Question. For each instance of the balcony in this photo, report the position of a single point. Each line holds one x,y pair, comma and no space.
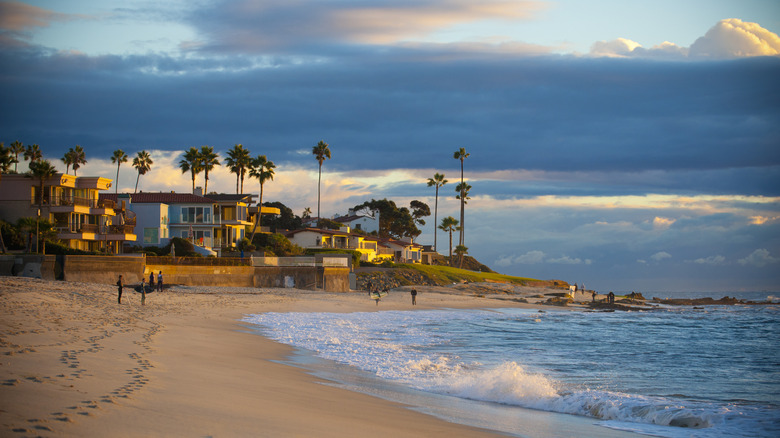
95,232
68,204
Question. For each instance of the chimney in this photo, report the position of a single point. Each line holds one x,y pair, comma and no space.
199,191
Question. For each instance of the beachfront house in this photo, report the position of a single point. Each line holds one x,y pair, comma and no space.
405,252
82,218
213,223
370,248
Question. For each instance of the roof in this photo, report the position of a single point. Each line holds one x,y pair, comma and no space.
230,197
158,198
320,231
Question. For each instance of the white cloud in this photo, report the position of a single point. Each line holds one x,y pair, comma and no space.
730,38
660,256
536,257
759,258
734,38
662,223
566,260
711,260
620,47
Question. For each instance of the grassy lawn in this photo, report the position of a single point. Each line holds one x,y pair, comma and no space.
446,274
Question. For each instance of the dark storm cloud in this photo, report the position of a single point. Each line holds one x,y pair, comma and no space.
382,112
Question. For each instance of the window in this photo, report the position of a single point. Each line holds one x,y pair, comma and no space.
151,235
196,215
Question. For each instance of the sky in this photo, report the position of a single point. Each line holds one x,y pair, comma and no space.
623,145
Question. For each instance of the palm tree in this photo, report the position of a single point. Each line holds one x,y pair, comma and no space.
461,250
41,170
239,160
6,158
191,163
208,159
306,213
67,159
17,148
321,153
463,189
438,181
461,155
33,153
449,224
263,170
142,163
118,158
79,158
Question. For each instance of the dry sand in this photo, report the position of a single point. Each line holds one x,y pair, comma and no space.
76,363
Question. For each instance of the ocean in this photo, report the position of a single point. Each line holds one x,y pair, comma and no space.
672,372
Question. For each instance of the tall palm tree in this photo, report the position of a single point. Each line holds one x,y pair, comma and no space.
79,158
191,163
67,159
17,148
263,170
239,160
461,155
143,164
438,181
449,224
462,191
321,152
41,170
208,160
33,153
118,158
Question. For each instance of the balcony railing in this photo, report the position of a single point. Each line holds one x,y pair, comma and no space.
95,229
69,201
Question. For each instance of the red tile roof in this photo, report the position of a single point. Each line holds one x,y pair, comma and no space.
158,198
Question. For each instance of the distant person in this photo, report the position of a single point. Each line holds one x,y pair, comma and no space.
119,285
611,298
159,282
414,297
369,286
594,296
151,281
143,291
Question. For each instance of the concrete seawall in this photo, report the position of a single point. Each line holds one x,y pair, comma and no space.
106,270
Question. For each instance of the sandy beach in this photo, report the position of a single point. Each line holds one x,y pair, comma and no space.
77,363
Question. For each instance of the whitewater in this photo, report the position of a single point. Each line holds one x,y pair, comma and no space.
673,372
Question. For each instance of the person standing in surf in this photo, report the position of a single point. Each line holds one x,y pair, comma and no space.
414,297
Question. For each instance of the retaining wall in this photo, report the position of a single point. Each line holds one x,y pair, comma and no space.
106,270
229,276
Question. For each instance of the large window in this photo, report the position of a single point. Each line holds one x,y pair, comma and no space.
151,235
196,215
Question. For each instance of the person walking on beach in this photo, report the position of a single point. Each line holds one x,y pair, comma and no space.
119,289
594,296
159,282
143,291
151,281
414,297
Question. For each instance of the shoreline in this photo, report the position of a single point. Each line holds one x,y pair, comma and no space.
76,363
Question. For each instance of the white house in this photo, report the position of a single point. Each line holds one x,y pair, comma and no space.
364,220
